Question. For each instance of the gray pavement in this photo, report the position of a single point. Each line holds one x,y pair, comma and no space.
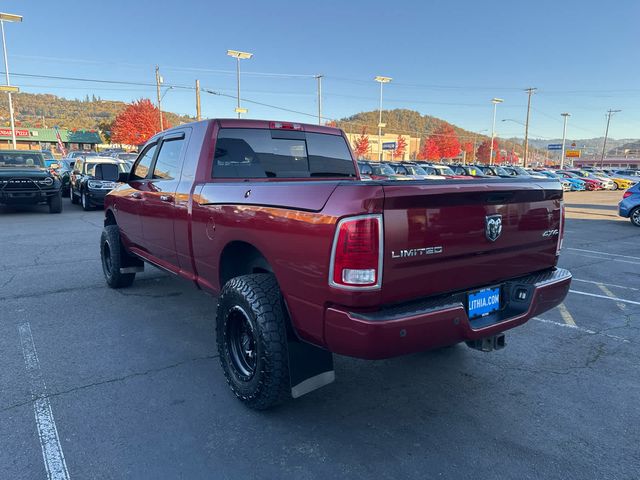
136,391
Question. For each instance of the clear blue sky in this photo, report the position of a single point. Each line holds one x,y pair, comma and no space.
447,58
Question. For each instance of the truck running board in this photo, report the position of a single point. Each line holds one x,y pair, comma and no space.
488,344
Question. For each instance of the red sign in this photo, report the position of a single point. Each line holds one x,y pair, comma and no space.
6,132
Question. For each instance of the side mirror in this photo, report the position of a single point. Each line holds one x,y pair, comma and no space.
123,177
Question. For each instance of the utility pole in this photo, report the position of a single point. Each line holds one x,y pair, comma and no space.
530,91
319,78
606,134
198,116
564,138
158,83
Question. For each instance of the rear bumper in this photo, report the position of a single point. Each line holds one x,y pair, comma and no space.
438,322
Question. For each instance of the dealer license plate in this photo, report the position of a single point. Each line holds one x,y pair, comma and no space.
483,302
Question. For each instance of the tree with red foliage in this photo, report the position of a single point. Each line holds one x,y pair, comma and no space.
137,123
468,151
513,157
362,144
483,152
401,146
447,141
497,157
429,150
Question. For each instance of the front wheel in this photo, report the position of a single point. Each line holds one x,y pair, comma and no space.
635,216
112,254
73,198
55,203
615,186
86,204
252,340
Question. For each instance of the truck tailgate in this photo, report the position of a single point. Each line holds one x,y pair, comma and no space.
437,237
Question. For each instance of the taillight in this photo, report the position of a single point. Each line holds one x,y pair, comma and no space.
561,230
356,258
627,194
285,126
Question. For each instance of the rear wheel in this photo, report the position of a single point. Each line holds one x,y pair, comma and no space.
113,254
615,186
252,340
635,216
55,203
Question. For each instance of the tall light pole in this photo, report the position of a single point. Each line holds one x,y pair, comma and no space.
564,138
530,91
495,102
606,134
319,78
382,81
239,56
8,17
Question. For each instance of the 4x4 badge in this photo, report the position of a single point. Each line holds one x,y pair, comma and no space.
493,227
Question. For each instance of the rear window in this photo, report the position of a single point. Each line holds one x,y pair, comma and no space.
262,153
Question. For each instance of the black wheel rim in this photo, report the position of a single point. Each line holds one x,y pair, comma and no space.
106,258
241,343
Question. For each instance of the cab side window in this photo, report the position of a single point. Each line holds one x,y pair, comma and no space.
168,164
141,168
77,167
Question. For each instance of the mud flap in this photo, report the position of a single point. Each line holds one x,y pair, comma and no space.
310,367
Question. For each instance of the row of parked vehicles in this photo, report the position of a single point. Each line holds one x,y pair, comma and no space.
571,179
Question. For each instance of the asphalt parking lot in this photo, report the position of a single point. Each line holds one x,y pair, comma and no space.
132,380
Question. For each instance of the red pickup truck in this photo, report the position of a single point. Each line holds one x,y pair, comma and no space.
307,260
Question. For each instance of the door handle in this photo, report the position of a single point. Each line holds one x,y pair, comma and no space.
166,198
137,195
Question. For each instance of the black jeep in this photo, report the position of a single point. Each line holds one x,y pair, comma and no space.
25,180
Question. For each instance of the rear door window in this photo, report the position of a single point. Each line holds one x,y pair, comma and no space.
262,153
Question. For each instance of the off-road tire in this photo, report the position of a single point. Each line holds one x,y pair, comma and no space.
73,198
259,297
55,203
112,254
634,216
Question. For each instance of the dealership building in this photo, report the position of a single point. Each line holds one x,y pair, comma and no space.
45,139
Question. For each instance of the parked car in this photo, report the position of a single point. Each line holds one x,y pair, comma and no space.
518,171
469,171
382,171
629,206
25,180
306,260
494,171
631,175
444,170
607,183
591,184
574,184
414,171
63,170
88,184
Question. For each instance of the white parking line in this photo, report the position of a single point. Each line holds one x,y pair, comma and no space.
608,259
49,441
606,284
581,329
605,297
603,253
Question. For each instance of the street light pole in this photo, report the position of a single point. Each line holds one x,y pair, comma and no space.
606,134
319,78
239,56
381,80
495,102
7,17
564,138
530,91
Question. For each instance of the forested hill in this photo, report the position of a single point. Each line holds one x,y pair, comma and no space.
88,113
402,121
